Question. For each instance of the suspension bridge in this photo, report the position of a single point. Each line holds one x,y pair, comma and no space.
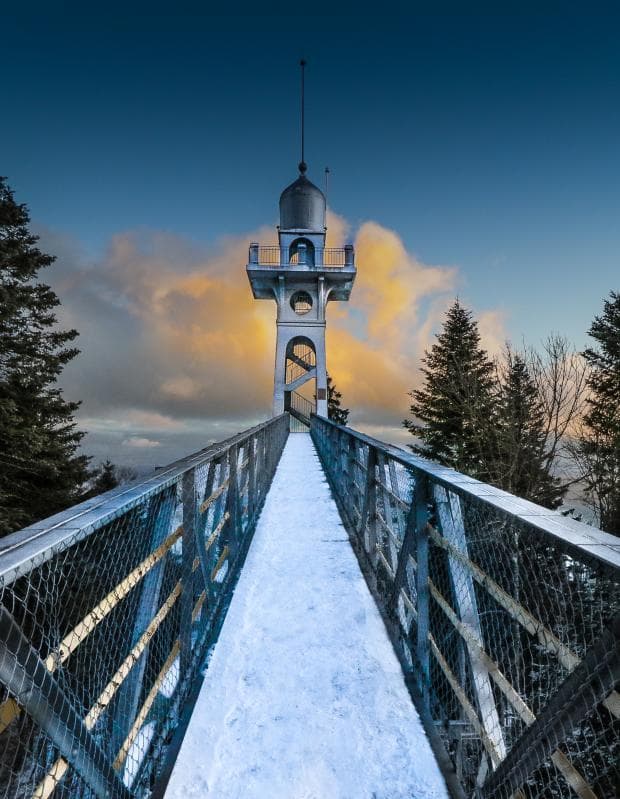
397,630
304,612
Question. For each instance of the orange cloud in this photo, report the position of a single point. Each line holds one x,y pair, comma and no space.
169,333
375,346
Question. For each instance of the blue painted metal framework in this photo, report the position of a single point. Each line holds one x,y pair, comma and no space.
505,616
107,613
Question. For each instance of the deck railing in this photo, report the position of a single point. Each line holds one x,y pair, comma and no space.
107,612
336,257
506,617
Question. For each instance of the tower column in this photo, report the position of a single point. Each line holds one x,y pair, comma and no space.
321,375
279,381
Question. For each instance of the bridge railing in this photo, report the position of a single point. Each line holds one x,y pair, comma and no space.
107,612
505,615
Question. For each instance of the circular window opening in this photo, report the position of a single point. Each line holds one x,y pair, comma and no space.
301,302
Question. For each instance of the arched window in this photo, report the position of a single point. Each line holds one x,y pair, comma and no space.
294,251
300,357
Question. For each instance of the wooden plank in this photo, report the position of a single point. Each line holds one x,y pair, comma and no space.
469,635
144,710
210,500
420,521
48,784
407,600
562,763
572,776
535,627
219,563
9,710
386,565
46,787
108,692
198,606
549,641
72,640
217,531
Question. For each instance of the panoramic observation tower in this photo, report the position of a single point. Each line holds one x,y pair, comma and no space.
302,276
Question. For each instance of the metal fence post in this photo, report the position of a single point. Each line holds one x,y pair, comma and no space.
368,519
407,549
232,502
420,500
352,492
260,468
202,520
252,498
129,692
189,555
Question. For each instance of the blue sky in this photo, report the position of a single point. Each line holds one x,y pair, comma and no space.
487,138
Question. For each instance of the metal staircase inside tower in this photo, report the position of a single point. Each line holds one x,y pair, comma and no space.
300,369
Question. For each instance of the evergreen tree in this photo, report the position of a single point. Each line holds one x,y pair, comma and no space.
599,445
40,470
105,479
518,458
334,410
454,410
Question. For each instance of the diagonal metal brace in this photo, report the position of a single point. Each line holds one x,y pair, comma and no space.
592,680
24,674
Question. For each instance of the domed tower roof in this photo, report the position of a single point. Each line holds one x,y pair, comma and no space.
302,205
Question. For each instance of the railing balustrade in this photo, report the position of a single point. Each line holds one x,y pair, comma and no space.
107,612
301,408
505,615
330,257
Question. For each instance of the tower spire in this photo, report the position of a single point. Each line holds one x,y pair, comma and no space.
302,164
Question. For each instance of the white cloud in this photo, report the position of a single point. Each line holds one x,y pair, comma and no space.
140,443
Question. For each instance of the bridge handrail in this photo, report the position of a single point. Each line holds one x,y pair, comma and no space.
506,617
107,611
591,541
47,537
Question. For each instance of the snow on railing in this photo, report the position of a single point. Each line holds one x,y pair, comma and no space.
506,617
107,611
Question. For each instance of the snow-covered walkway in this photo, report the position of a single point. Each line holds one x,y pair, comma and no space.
304,697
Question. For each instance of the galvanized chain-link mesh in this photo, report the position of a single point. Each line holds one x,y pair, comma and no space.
107,612
505,614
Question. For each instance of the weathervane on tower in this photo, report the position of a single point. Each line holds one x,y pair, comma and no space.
302,276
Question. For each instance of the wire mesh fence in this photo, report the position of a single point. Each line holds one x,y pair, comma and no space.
107,611
506,617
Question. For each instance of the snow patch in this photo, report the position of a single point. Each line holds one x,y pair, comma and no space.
137,751
304,697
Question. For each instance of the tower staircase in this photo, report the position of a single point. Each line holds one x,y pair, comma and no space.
299,407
